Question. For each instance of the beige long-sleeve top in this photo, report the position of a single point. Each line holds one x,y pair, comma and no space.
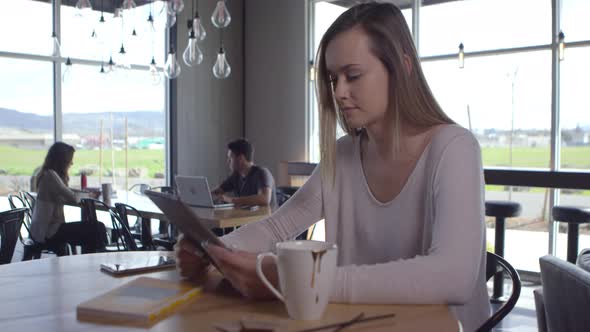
48,214
426,246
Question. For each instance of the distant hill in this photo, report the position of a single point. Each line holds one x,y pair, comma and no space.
140,123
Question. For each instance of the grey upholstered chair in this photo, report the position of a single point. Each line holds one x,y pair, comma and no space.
562,303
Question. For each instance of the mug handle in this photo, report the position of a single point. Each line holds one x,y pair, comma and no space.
260,274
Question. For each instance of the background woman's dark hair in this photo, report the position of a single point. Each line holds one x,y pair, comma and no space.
58,159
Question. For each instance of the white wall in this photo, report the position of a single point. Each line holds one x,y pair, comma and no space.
276,68
210,111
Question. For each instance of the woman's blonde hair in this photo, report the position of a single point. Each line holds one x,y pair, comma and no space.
391,42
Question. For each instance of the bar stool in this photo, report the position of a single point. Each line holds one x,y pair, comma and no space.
573,216
500,210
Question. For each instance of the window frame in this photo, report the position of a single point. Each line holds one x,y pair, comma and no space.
169,85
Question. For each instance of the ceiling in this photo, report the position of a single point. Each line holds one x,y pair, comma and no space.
402,4
106,5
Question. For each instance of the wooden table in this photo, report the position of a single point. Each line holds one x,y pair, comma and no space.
213,218
42,295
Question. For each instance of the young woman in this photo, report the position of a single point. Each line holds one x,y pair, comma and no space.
48,223
401,194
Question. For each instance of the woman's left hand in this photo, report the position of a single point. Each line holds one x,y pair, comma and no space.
239,267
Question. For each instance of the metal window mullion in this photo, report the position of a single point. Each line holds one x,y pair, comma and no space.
57,102
555,121
416,4
311,117
309,121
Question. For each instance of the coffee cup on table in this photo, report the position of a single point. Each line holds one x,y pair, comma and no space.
107,190
306,274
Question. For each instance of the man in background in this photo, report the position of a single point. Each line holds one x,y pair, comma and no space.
248,184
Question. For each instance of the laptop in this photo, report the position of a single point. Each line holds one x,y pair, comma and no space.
195,191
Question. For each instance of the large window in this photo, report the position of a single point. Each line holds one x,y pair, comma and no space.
504,95
85,96
483,25
26,128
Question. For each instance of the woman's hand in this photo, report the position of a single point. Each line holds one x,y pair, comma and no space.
239,267
189,260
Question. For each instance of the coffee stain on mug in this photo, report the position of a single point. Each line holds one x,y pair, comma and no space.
317,259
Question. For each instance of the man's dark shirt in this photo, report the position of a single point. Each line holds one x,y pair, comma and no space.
256,179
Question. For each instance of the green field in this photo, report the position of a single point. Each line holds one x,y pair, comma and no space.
572,157
16,161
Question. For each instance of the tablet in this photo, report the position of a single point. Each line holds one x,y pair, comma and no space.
181,215
153,263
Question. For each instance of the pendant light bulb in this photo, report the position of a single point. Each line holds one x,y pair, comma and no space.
221,69
561,45
176,6
55,46
65,77
198,28
172,67
192,55
461,56
221,17
110,65
154,73
123,58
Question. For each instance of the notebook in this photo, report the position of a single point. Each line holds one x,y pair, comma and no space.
195,191
143,301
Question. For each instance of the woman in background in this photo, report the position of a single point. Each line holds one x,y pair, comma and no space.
48,222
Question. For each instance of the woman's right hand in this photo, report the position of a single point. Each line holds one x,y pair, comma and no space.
190,262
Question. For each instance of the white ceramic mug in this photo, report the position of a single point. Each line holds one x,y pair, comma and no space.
306,274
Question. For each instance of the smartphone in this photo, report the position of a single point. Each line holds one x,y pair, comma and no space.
153,263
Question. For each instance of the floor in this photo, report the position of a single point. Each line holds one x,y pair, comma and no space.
523,317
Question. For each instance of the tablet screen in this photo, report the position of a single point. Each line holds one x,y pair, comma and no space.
181,215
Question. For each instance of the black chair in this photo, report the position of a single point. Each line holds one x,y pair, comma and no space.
29,199
573,216
166,241
31,248
10,223
138,188
283,194
120,234
141,230
16,202
500,210
164,189
497,266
